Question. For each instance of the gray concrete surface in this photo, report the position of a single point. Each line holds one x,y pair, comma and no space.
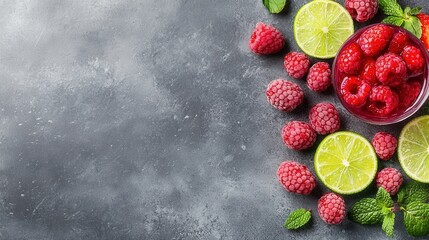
147,120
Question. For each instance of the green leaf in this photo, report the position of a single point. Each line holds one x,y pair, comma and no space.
274,6
413,25
407,10
297,219
415,11
391,8
366,211
383,198
388,224
413,192
393,20
416,219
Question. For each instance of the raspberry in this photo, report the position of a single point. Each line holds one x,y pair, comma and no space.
319,77
355,91
384,145
375,39
296,64
266,39
399,41
332,208
424,19
284,95
298,135
324,118
413,57
350,59
368,72
408,93
391,69
361,10
382,100
296,177
390,179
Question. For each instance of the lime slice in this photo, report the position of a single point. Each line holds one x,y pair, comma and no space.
321,27
345,162
413,149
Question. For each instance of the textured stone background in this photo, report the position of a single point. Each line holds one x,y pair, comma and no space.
148,120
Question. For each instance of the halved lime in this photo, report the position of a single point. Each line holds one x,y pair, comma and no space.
345,162
413,149
321,27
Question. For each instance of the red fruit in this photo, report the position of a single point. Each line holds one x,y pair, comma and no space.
298,135
319,77
332,208
408,93
399,41
350,59
266,39
296,177
296,64
390,179
324,118
391,69
424,19
375,39
284,95
384,145
413,57
368,72
382,100
361,10
355,91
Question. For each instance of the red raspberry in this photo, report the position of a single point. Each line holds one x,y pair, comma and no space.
296,64
384,145
319,77
399,41
382,100
391,69
361,10
413,57
284,95
390,179
355,91
296,177
368,72
266,39
408,93
298,135
324,118
350,59
375,39
332,208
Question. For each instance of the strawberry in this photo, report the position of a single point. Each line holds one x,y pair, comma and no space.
424,19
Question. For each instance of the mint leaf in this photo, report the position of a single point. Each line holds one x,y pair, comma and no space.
383,198
274,6
297,219
413,192
366,211
391,7
415,11
413,25
393,20
416,219
388,224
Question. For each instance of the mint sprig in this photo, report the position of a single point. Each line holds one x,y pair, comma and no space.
405,18
274,6
388,224
416,219
297,219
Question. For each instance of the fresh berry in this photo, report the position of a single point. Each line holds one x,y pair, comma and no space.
324,118
375,39
382,100
354,91
296,177
284,95
296,64
266,39
361,10
385,145
408,93
350,59
332,208
424,19
390,179
319,77
391,69
413,57
368,72
298,135
399,41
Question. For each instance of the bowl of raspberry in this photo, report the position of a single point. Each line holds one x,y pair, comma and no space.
380,74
